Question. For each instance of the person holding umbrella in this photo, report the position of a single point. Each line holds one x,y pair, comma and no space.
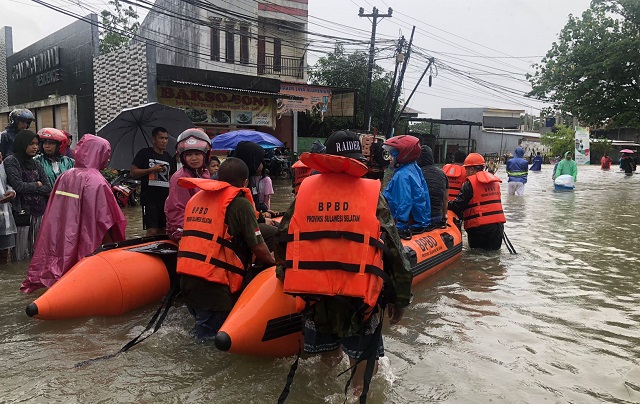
154,166
626,162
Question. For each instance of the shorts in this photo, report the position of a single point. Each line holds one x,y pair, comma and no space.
153,217
315,342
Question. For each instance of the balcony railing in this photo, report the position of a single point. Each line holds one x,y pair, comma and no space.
283,66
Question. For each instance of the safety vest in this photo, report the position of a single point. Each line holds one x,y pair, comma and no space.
485,207
300,172
333,244
456,175
206,250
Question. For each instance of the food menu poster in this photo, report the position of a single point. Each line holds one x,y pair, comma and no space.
220,108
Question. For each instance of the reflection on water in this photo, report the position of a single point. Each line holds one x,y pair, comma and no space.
559,322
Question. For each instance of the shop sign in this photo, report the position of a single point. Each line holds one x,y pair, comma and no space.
220,108
316,98
37,64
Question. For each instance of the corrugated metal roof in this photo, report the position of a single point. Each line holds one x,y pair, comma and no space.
240,90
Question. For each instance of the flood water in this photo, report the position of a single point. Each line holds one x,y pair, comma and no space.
557,323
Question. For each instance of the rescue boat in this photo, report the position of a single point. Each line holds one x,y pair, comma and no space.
267,322
115,279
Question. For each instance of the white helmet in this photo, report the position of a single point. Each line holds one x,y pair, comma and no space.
194,139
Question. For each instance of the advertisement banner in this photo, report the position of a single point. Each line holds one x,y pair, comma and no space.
582,145
216,107
315,100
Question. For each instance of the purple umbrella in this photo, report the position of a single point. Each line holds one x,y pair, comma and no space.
229,140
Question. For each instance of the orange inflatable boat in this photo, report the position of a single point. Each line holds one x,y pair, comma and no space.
267,322
117,278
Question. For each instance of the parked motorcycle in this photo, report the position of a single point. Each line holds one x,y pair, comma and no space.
126,189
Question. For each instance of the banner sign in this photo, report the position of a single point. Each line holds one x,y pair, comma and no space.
342,105
582,146
220,108
315,99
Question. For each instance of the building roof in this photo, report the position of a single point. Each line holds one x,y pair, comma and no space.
512,133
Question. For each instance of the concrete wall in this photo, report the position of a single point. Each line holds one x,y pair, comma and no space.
124,78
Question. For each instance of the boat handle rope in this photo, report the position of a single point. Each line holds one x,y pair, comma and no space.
167,302
507,242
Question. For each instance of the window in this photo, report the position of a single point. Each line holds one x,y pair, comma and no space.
230,54
244,44
215,43
277,54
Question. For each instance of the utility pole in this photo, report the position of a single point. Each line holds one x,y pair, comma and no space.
367,102
391,92
394,104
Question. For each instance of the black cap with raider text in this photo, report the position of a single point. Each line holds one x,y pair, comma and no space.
344,143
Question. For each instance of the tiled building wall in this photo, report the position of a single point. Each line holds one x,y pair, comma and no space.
5,35
121,80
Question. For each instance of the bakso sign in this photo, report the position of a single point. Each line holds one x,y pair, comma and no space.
44,65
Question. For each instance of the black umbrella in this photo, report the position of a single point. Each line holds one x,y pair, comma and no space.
130,131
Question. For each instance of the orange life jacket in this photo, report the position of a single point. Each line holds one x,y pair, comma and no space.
206,249
300,172
333,245
485,207
456,175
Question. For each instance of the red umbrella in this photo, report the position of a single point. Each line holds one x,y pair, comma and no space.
627,151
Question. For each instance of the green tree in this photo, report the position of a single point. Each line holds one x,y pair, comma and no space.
592,71
118,27
349,70
560,139
600,146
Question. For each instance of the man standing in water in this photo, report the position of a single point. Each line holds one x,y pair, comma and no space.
340,222
154,166
517,170
480,206
567,166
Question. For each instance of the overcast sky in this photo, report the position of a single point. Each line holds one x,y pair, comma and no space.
495,41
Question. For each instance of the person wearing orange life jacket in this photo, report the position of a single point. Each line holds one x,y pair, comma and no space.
479,204
330,250
220,235
301,171
455,173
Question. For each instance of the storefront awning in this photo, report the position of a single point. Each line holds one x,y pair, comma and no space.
239,90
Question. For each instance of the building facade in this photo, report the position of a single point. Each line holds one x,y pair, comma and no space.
53,78
500,133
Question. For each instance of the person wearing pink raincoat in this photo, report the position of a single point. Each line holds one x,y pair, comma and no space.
82,213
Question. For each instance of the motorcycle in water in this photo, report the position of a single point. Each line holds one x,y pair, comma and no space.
125,189
280,167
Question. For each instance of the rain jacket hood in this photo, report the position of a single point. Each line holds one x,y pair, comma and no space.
92,152
80,212
518,152
426,156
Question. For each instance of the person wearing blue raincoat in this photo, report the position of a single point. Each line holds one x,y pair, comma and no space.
407,193
537,163
517,170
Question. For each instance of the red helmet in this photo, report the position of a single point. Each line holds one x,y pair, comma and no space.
57,136
408,148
